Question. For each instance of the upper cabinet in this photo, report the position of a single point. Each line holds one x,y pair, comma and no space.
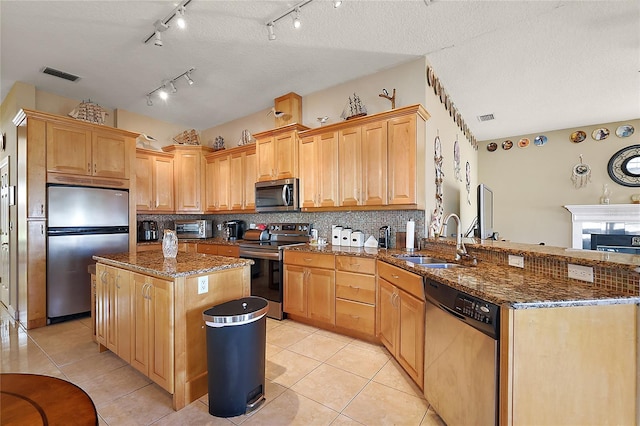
77,148
277,153
230,180
290,108
380,162
154,182
189,177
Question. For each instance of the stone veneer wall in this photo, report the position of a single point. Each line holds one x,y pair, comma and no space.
366,221
619,279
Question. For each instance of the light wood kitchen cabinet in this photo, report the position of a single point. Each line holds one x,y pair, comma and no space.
561,365
402,155
277,153
79,149
154,182
309,286
230,180
291,105
319,175
400,318
153,347
189,177
356,294
219,249
113,310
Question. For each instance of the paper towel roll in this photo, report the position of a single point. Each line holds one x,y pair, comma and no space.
411,229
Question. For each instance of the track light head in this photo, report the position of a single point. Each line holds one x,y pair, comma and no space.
149,101
182,24
174,89
272,35
187,76
158,39
296,19
163,93
337,3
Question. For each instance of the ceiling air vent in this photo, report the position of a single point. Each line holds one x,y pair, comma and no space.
486,117
60,74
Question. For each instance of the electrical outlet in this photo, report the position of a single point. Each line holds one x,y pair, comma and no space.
579,272
203,285
516,261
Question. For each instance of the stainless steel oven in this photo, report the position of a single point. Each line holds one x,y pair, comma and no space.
265,249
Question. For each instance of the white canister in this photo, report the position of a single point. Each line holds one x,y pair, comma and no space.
346,237
336,235
357,239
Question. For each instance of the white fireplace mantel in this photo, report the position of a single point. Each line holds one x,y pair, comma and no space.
627,213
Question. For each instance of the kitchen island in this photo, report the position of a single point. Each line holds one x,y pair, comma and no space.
149,313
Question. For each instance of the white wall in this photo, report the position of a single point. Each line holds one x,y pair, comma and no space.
162,131
532,184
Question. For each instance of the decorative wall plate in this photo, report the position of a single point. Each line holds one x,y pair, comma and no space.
429,76
492,146
624,131
600,134
524,142
541,140
624,166
578,136
507,145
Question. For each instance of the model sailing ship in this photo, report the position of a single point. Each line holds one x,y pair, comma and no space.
89,111
353,109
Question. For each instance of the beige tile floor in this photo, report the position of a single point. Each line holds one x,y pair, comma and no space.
313,377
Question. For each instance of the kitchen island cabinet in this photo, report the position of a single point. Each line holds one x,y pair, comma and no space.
167,334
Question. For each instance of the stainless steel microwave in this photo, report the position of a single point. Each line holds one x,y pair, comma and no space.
277,196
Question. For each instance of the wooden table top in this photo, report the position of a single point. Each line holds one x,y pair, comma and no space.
43,400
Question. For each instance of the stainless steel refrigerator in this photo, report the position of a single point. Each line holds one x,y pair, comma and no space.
82,222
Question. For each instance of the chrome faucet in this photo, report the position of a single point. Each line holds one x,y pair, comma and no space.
461,250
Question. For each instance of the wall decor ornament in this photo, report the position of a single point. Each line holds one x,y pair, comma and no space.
90,112
438,211
468,184
354,108
624,166
507,145
524,142
456,160
624,131
581,174
600,134
541,140
218,144
578,136
392,98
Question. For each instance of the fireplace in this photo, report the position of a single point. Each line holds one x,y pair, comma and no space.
606,227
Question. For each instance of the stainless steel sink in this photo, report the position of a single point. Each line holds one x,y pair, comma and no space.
418,259
441,265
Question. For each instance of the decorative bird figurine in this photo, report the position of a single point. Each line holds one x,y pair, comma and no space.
385,94
279,114
323,120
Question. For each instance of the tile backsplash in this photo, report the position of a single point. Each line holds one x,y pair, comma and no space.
366,221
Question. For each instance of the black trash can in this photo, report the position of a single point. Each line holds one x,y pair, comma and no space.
236,340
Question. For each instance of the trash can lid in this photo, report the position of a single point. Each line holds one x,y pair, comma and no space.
236,312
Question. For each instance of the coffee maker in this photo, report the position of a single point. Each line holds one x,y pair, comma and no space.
383,237
234,229
148,230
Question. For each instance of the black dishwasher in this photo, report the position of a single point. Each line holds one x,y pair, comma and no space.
461,362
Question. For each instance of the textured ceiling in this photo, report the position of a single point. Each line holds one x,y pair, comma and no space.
536,65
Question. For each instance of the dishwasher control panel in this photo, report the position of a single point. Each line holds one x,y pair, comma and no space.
473,308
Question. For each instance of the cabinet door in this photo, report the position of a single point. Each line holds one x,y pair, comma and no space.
211,193
374,164
102,304
69,149
411,339
36,297
266,158
249,179
223,189
144,183
350,166
309,172
123,313
236,181
207,248
112,311
321,295
294,291
188,183
387,315
286,155
140,325
163,184
110,155
161,332
402,160
33,138
327,169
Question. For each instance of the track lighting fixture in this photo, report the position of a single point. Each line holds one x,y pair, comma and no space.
296,19
272,35
162,25
169,87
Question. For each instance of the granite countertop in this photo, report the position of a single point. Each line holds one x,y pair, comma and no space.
214,240
502,285
185,264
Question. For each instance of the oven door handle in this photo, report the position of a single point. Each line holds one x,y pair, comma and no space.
258,254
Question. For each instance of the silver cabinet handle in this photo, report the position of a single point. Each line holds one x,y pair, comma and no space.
88,167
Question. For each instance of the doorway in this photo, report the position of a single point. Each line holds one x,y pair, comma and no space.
5,268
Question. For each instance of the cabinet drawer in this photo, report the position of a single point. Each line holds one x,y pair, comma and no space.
229,251
358,287
207,248
405,280
355,316
357,264
301,258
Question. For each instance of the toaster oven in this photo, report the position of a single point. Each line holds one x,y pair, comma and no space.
194,228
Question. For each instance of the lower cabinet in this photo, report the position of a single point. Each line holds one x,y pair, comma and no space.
400,318
113,310
152,329
219,249
309,286
356,294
